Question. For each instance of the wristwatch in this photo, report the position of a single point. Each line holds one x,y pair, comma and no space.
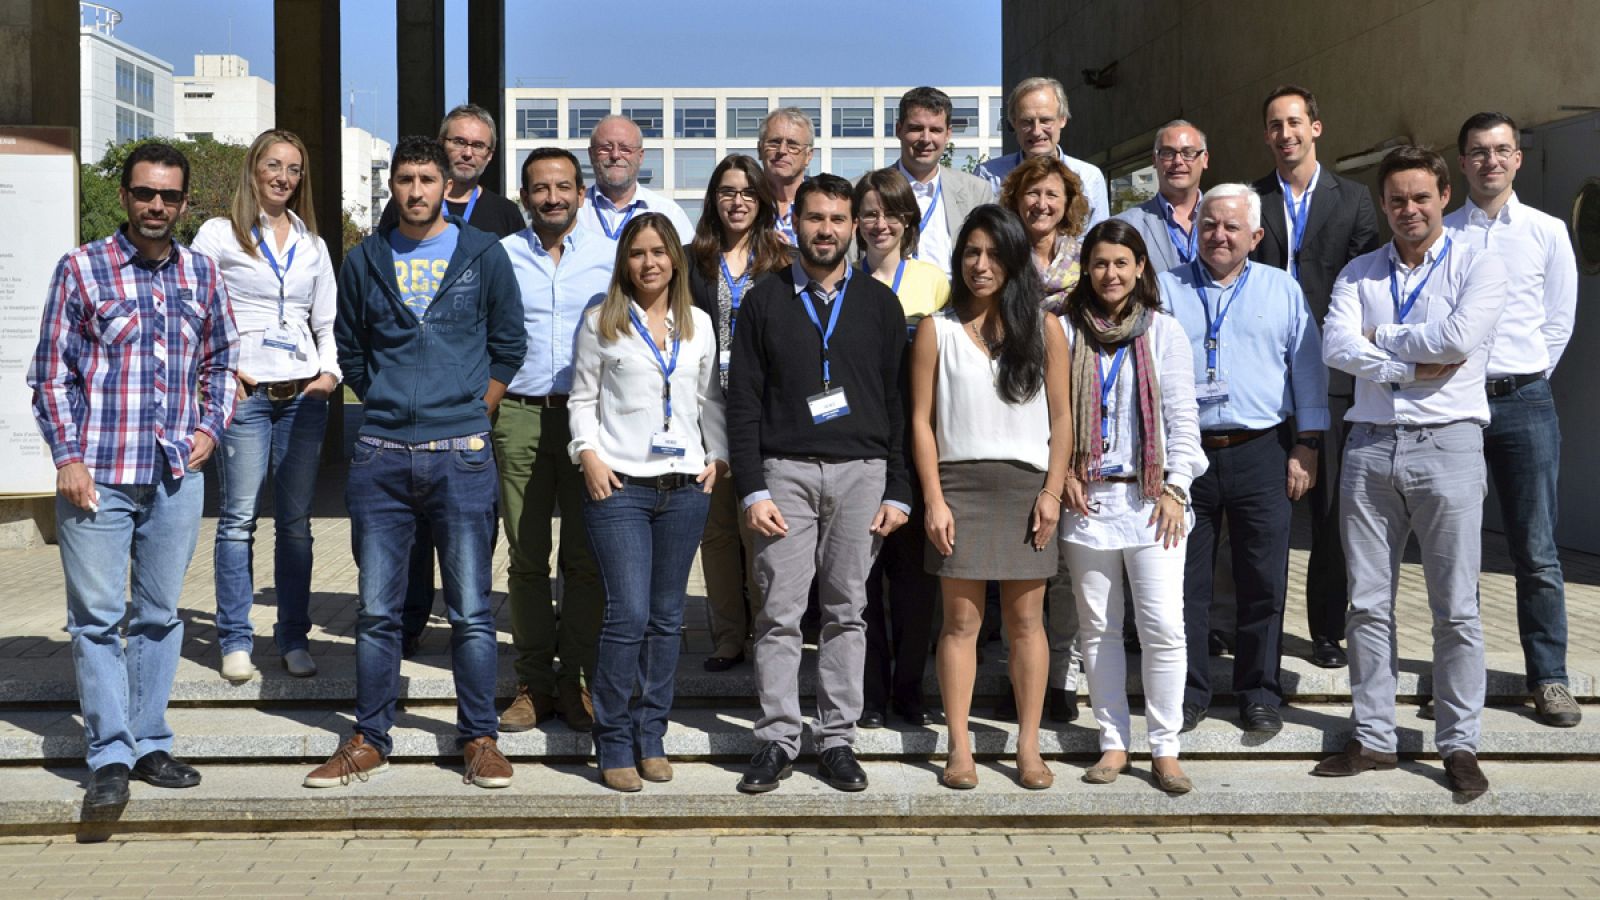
1314,444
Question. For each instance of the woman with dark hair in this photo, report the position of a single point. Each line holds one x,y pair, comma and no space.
991,427
1136,449
1049,199
647,431
736,246
281,285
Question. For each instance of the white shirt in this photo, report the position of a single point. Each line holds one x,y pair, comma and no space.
1451,322
597,206
1288,220
972,421
310,299
933,243
616,406
1542,284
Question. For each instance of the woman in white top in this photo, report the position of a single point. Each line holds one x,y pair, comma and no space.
991,427
1137,450
647,431
281,285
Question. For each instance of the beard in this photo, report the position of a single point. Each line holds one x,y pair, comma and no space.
421,214
154,232
821,258
617,182
556,221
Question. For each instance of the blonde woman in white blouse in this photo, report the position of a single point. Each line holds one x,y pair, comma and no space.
281,285
647,430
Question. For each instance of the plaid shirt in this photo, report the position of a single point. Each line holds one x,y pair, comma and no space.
119,384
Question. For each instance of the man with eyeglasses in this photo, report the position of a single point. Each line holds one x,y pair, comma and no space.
786,137
134,380
616,152
1314,224
1167,221
944,195
1522,444
1037,110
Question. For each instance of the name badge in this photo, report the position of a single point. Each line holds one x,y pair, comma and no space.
665,443
279,338
829,404
724,358
1209,393
1111,470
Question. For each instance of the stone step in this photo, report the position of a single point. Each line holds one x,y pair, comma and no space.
424,797
49,681
429,733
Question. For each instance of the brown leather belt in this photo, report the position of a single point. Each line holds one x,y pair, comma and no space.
278,391
547,401
1218,440
1121,479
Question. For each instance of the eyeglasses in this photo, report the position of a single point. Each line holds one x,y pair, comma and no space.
170,196
784,144
728,195
1189,154
1481,155
275,167
478,147
615,149
872,218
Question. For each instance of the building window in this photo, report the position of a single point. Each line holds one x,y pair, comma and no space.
851,163
891,116
651,172
584,115
745,115
144,127
537,119
693,169
695,117
199,136
964,117
811,106
997,116
125,80
198,95
646,114
814,168
124,125
145,89
852,117
692,208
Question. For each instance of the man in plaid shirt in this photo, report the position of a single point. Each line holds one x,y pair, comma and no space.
133,381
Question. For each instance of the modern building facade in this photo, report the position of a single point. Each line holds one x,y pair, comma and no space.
222,101
687,131
126,93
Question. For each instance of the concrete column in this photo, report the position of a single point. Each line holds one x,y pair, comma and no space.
486,76
419,68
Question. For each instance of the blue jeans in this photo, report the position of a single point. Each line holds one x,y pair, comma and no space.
285,438
1522,447
123,692
388,492
644,542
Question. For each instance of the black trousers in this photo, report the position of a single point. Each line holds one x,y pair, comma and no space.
1327,587
899,627
1245,485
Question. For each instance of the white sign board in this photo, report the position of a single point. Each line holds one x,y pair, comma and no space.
38,225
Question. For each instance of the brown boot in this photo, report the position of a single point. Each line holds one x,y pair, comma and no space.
572,702
355,760
527,710
625,780
656,769
487,767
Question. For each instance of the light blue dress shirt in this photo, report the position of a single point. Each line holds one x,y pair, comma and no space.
554,297
1269,351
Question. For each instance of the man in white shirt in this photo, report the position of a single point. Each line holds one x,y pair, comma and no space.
1411,321
944,195
786,138
616,151
1522,444
1037,110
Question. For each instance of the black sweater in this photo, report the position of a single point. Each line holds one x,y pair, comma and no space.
777,364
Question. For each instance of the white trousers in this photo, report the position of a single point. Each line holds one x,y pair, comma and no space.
1157,580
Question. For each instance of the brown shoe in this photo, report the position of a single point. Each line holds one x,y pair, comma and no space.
487,767
1035,777
527,710
656,769
625,780
572,703
1466,778
960,779
1355,759
355,760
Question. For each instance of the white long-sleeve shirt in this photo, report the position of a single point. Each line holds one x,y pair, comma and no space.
1541,289
616,407
310,299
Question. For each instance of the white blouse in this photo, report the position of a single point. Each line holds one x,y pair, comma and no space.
310,295
971,420
616,409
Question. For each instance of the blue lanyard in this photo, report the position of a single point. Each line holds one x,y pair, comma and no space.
1183,243
612,233
282,273
898,271
1401,311
785,227
736,286
833,321
1108,382
472,202
667,368
938,191
1214,325
1299,213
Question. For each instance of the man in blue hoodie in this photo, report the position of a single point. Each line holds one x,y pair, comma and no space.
429,333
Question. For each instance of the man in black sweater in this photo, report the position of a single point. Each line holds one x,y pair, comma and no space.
814,428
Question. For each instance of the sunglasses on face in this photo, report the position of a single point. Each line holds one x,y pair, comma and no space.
170,196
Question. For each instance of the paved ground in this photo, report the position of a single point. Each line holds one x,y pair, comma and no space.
801,866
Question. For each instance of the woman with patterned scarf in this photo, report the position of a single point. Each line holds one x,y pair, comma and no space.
1136,449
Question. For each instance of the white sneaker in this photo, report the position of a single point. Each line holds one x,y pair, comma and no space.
299,663
236,667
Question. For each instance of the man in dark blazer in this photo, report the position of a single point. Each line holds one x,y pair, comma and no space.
1315,222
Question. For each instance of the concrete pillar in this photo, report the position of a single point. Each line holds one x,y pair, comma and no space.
486,76
419,66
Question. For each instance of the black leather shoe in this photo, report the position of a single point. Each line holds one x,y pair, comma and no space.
1193,714
1326,653
914,716
723,663
410,644
1425,711
158,768
1259,718
870,719
769,766
838,767
108,786
1217,644
1063,705
1461,770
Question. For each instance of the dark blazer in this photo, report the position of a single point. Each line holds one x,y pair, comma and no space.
1342,225
704,295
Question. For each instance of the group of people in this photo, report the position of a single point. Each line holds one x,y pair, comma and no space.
890,404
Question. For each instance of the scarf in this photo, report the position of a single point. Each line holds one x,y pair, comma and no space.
1061,275
1095,334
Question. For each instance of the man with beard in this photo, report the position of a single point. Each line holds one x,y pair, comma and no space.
814,426
560,270
616,150
133,382
429,335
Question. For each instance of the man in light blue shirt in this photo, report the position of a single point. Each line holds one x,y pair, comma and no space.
1038,112
1257,365
561,270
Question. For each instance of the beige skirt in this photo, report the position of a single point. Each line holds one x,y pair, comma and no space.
992,504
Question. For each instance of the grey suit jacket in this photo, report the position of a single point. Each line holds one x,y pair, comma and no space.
1152,226
962,193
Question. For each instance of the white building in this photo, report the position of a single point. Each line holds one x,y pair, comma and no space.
365,173
222,101
687,131
126,93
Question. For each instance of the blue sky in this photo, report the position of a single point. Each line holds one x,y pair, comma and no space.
698,43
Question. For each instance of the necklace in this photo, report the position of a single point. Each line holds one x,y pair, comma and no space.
978,336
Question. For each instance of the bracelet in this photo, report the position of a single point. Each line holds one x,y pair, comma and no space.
1051,494
1176,493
